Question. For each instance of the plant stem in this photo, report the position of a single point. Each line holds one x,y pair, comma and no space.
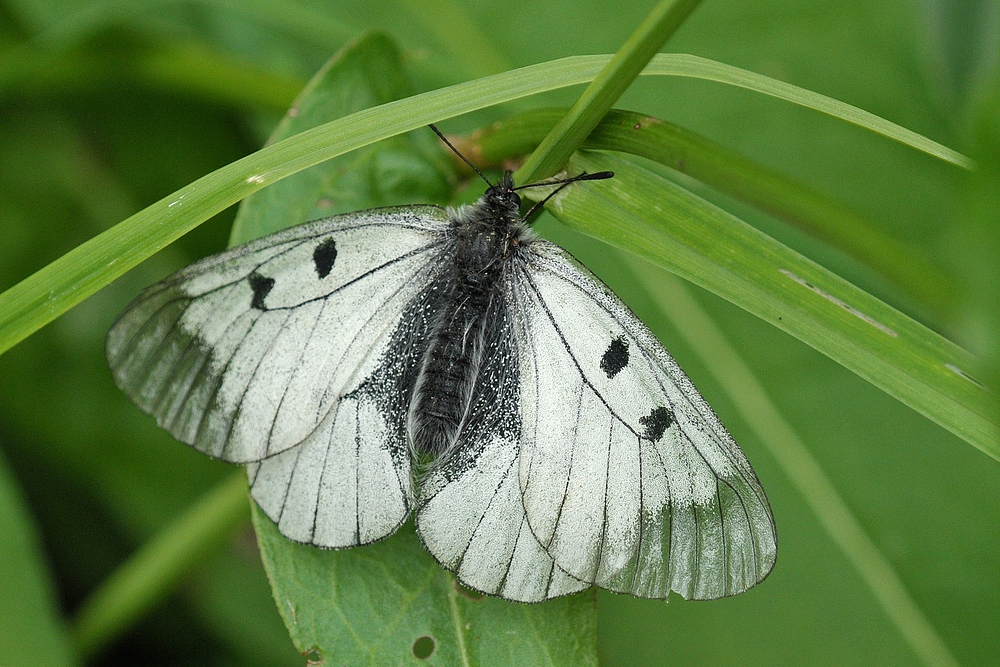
605,89
159,564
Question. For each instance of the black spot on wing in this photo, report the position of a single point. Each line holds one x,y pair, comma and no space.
324,256
261,286
616,357
656,423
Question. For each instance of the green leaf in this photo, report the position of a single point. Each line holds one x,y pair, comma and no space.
649,216
48,293
370,605
30,627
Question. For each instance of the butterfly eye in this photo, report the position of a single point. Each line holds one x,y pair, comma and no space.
515,198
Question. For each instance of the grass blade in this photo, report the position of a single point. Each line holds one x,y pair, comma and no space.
741,178
702,68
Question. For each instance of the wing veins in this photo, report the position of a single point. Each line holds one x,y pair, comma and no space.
357,473
288,485
569,351
130,343
753,529
163,345
555,270
376,339
604,524
635,572
569,473
204,266
174,371
722,531
510,560
198,374
496,489
218,377
298,365
669,513
239,406
356,279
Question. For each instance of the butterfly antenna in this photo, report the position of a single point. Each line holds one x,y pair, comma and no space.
599,176
455,151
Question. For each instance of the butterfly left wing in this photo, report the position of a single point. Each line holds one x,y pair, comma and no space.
289,353
469,512
628,478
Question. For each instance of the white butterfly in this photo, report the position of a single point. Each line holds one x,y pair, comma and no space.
452,364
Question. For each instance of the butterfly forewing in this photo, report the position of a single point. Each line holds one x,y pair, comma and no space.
214,350
629,480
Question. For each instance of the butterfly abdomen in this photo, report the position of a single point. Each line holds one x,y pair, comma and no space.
453,356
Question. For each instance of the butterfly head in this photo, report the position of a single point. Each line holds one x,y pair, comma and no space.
500,204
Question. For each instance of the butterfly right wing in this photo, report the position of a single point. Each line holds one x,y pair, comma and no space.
280,345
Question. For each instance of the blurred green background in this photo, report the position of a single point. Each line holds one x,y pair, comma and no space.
106,106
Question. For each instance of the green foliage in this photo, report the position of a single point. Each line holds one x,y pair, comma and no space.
108,107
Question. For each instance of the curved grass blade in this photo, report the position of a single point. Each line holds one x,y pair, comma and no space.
602,93
702,68
371,605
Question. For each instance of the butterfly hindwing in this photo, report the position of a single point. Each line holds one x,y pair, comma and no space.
628,478
244,354
470,515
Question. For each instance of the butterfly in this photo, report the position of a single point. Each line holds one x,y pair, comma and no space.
452,365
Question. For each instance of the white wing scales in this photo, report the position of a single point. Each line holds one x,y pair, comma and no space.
474,525
629,480
346,485
586,456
